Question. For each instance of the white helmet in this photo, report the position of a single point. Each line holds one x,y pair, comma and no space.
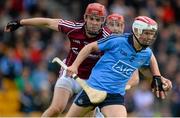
142,23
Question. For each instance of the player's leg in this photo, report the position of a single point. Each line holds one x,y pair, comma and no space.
59,102
65,87
81,106
78,111
114,111
113,106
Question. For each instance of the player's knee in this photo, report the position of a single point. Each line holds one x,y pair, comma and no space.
57,109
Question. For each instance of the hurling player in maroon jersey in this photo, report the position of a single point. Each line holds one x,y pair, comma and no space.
79,34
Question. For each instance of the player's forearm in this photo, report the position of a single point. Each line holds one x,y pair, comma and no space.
154,66
35,21
41,22
84,53
82,56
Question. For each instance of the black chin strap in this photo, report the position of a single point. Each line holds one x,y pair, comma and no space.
143,46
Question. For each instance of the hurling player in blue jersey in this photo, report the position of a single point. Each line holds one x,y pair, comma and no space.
116,23
123,54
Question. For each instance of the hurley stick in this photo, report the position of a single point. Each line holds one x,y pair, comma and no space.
95,96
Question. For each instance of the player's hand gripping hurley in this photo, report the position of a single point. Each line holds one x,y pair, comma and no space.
95,96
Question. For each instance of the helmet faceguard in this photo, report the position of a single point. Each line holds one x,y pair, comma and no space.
115,23
141,24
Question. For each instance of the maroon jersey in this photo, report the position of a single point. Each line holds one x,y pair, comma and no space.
75,31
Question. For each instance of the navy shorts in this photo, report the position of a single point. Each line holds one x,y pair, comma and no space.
112,99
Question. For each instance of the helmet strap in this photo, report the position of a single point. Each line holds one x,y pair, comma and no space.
143,46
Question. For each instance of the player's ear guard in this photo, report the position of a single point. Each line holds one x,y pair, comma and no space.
13,25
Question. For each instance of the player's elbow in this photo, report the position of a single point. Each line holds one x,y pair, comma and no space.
88,48
93,47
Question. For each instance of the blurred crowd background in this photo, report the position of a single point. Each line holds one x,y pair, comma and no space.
27,76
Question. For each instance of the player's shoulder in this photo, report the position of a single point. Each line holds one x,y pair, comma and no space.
148,49
121,37
113,38
106,31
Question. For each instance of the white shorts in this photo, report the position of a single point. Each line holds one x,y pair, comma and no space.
68,83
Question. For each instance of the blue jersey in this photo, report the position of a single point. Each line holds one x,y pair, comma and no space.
112,72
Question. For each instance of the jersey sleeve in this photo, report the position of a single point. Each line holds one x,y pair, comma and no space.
147,62
107,43
106,32
66,26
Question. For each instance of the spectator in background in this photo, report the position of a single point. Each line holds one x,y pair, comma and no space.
167,12
144,100
175,99
25,85
175,4
10,67
119,7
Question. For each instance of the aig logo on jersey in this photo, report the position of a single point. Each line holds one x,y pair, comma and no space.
123,68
